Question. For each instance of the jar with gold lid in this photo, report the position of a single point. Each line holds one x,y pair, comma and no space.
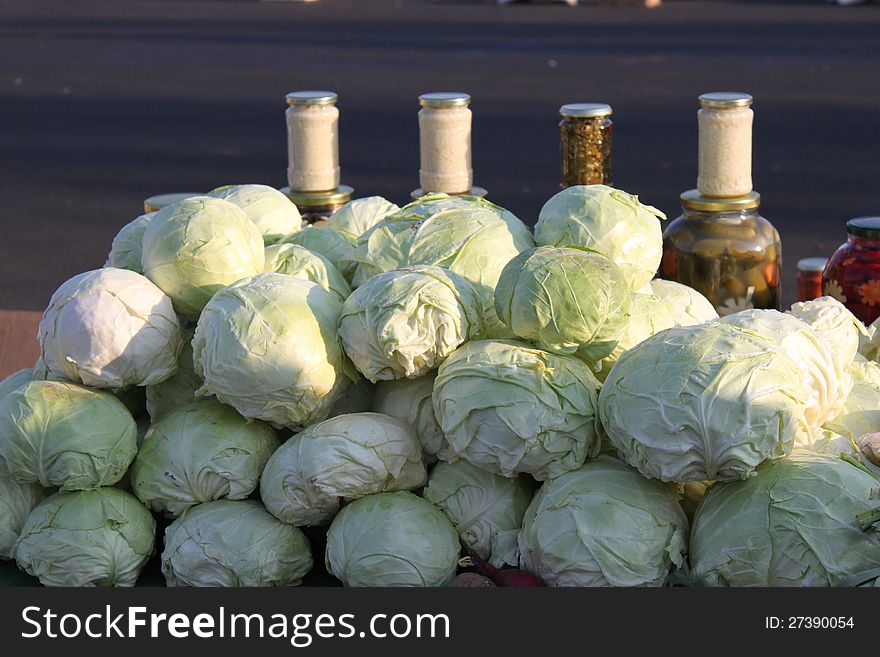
585,144
725,250
725,144
313,170
445,145
852,275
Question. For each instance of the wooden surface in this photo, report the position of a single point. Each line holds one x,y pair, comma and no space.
18,340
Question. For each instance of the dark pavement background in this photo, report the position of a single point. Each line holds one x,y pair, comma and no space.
106,102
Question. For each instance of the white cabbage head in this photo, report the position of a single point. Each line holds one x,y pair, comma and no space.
469,236
357,217
200,452
15,380
276,217
17,500
65,435
824,374
392,539
608,221
332,245
860,413
234,543
341,459
110,328
406,322
486,509
795,523
688,306
410,400
565,300
197,246
834,323
180,388
648,316
267,346
704,402
99,537
125,252
298,261
509,408
603,525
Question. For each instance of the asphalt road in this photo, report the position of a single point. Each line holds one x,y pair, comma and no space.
103,103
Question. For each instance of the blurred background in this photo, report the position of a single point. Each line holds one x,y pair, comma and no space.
103,103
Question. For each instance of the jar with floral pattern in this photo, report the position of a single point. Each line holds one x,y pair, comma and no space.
726,251
852,275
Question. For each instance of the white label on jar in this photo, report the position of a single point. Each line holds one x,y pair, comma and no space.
445,139
725,151
313,148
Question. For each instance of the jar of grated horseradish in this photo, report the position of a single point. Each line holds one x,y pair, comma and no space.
725,146
312,141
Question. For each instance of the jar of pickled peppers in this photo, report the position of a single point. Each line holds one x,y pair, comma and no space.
724,249
852,275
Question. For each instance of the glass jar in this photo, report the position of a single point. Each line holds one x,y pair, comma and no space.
725,250
312,141
852,275
156,203
809,278
585,144
445,143
316,208
725,146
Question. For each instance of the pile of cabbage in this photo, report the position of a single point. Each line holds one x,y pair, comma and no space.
427,391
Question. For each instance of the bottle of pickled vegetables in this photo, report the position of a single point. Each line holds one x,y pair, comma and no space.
724,249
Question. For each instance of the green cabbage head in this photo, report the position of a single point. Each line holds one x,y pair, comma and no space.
410,400
687,306
603,525
509,408
197,246
125,252
486,509
565,300
649,315
834,323
860,413
180,388
267,346
276,217
62,434
392,539
608,221
405,322
298,261
341,459
99,537
234,543
328,243
704,402
200,452
469,236
825,375
357,217
17,500
15,380
110,328
795,523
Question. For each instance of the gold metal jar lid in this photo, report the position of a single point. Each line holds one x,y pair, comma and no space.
338,196
444,99
726,99
159,201
311,98
585,109
693,200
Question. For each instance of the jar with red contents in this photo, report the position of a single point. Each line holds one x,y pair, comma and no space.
852,275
